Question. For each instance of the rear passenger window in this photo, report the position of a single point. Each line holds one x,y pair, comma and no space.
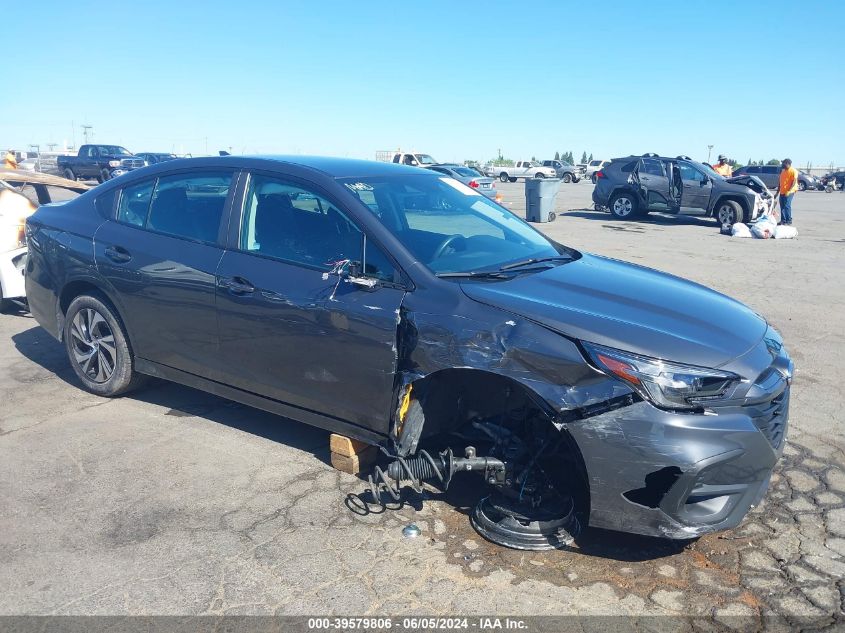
653,167
135,203
286,221
190,205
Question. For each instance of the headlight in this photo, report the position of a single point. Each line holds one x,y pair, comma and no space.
666,385
114,163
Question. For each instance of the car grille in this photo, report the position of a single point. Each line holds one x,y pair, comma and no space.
132,163
772,419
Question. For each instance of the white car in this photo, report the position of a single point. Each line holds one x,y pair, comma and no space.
593,166
21,192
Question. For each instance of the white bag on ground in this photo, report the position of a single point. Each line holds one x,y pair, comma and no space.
763,229
740,230
785,232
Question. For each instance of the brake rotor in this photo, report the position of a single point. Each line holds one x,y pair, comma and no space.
507,522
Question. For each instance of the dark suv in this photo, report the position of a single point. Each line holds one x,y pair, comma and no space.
635,185
770,175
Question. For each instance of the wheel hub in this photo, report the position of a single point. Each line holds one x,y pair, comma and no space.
504,521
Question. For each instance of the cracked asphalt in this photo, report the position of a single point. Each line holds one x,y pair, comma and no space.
175,502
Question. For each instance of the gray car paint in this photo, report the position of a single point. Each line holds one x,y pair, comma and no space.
525,329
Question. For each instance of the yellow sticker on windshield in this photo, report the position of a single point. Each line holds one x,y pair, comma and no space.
460,186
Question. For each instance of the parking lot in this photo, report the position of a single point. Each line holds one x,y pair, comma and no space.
172,501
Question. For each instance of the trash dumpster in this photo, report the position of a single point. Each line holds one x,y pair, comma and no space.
540,196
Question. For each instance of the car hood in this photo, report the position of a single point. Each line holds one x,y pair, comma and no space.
629,307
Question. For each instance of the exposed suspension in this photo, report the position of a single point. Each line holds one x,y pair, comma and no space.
437,470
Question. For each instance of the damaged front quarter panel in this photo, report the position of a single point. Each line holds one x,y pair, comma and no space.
648,471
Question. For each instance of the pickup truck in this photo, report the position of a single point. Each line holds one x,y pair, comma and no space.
414,159
102,162
522,169
564,171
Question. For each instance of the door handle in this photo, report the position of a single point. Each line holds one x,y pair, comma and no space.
236,285
118,254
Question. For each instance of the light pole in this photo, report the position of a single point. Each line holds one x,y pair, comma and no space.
709,149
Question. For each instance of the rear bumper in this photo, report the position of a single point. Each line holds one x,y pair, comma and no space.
679,476
12,265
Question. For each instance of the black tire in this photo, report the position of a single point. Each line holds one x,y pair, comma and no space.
539,175
729,212
104,175
503,177
802,186
98,347
593,178
567,177
511,179
552,216
624,205
828,189
68,173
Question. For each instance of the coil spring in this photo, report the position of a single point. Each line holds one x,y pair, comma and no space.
414,470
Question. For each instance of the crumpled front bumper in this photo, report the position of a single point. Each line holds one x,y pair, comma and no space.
679,476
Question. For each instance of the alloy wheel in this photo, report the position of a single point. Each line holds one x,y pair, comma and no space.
726,215
93,345
623,206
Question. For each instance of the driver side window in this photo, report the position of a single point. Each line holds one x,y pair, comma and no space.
688,172
287,221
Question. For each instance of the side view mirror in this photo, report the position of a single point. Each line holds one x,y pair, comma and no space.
352,273
414,163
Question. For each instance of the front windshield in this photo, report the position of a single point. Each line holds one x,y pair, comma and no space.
534,164
707,169
425,159
448,226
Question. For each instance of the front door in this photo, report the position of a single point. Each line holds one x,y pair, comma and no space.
160,254
290,327
695,198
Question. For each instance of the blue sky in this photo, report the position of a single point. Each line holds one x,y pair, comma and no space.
458,80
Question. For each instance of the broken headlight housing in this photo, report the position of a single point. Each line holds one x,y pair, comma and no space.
664,384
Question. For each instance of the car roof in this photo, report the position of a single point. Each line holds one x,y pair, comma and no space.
325,165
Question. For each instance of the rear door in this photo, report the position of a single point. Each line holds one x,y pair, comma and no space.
697,186
292,329
654,185
160,253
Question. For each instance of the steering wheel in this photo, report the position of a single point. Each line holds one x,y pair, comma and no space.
445,244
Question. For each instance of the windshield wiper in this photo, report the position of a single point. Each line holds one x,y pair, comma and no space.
478,274
535,260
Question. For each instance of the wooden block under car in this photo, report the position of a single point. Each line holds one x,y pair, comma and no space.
355,464
351,456
346,446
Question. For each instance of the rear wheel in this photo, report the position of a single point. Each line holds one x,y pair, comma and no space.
729,212
623,206
593,178
68,173
567,177
511,179
98,347
503,177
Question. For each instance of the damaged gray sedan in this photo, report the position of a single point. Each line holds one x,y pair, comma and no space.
404,309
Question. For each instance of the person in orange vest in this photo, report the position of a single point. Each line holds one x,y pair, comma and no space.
9,161
788,187
722,168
